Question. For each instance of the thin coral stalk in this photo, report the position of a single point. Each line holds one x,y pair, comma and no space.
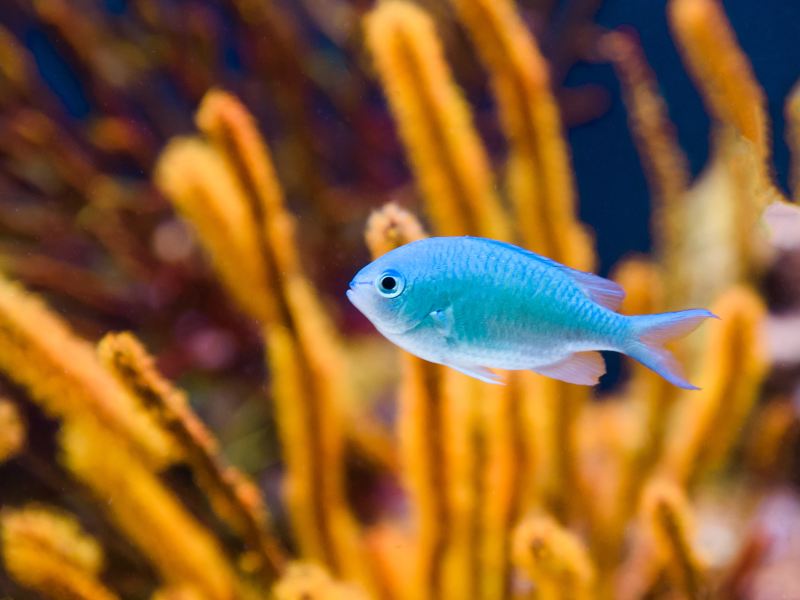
507,481
450,163
665,164
47,551
256,254
649,399
542,191
735,365
642,282
420,426
792,114
314,444
554,559
310,582
12,430
539,174
466,459
146,512
720,69
62,374
233,496
198,182
668,517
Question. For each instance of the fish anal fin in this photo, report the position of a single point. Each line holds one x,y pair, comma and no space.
478,372
603,291
582,368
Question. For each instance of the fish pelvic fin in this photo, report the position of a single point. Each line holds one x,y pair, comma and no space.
651,332
582,368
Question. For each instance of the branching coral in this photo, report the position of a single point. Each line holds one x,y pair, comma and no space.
229,180
450,162
526,490
554,559
61,372
47,551
12,430
182,550
667,514
234,497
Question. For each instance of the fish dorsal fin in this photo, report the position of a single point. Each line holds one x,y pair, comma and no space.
583,368
603,291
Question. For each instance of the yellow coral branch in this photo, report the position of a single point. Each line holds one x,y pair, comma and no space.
255,252
554,559
792,113
420,427
507,481
304,581
449,161
734,367
12,430
720,69
62,374
665,164
668,516
196,179
47,551
233,496
146,512
539,174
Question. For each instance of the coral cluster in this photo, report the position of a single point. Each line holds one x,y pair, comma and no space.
535,489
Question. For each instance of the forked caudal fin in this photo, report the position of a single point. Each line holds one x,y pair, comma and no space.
650,334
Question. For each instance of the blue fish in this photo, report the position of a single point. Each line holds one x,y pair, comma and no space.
477,304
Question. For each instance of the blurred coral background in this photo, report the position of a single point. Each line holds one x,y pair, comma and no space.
190,409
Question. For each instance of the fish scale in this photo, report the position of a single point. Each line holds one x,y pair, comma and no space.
476,304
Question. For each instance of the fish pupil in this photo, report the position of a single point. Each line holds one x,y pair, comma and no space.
388,283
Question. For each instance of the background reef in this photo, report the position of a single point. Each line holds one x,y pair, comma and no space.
190,409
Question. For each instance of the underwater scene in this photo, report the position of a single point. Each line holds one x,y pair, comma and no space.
399,300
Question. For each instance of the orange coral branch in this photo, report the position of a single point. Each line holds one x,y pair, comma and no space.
12,430
146,512
792,112
310,582
667,514
731,376
539,174
720,69
449,161
554,559
47,551
233,496
420,426
62,374
665,164
256,254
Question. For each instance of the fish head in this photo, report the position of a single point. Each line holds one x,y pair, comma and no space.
392,292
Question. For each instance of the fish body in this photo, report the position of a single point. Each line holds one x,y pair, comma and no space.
476,304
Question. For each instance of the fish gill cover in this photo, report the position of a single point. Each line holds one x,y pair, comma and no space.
190,410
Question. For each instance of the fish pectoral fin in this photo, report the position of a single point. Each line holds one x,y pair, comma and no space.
443,321
583,368
478,372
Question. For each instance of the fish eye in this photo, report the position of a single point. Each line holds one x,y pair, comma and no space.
390,284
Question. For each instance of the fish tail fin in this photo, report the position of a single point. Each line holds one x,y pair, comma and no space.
651,332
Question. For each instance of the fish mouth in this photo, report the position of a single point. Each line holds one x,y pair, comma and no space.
355,282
